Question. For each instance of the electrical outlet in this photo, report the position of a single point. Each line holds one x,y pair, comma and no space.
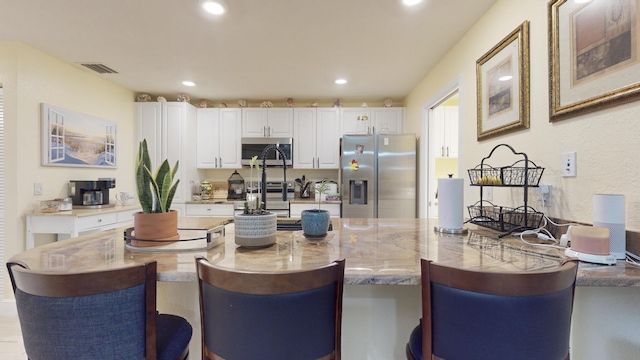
37,189
544,192
569,164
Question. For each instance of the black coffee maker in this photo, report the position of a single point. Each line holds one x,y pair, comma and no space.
91,193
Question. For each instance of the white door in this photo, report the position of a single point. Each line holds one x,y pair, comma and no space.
229,138
280,122
304,138
149,127
387,120
328,138
208,124
254,122
355,121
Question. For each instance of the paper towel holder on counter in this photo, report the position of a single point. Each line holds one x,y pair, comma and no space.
458,203
460,231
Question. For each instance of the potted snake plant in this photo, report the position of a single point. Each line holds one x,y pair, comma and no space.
315,222
156,223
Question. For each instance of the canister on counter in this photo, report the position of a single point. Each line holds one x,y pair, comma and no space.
205,190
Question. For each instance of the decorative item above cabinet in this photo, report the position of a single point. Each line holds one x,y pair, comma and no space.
372,120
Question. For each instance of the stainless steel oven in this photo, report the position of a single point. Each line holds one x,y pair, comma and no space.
254,146
274,202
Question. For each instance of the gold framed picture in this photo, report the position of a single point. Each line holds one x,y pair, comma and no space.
593,55
502,76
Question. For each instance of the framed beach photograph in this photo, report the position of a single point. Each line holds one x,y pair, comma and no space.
593,55
502,76
70,138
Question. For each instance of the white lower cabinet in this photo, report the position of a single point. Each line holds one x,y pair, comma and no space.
221,210
296,209
70,225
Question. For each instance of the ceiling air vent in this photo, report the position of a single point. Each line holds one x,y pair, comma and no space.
100,68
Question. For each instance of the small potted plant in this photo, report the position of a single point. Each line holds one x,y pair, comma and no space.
155,192
255,227
315,222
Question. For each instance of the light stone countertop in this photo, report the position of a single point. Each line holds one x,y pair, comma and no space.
377,251
80,212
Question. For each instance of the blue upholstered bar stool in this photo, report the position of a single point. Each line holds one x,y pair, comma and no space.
473,315
289,315
108,314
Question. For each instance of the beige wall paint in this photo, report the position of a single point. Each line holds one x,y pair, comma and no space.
30,77
604,319
605,141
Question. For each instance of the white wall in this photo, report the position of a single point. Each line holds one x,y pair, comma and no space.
30,77
605,141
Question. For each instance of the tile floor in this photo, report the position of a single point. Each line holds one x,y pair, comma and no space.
11,339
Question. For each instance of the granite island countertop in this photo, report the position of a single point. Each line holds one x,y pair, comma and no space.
377,252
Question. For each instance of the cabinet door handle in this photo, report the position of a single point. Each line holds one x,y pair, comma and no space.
264,131
215,163
442,151
269,129
447,151
220,161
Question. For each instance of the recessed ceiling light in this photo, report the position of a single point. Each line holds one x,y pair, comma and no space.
411,2
215,7
341,81
188,83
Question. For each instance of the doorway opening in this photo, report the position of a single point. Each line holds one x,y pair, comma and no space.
441,128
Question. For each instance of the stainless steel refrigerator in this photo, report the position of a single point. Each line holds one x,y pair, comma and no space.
378,175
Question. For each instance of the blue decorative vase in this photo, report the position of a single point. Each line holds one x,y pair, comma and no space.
315,223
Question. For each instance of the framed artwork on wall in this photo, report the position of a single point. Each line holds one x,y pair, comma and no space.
593,55
73,139
502,76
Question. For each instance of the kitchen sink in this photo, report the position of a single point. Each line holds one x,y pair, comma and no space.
293,225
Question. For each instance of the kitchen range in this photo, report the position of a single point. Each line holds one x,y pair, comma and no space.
274,198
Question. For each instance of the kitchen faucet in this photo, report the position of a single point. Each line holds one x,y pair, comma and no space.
263,185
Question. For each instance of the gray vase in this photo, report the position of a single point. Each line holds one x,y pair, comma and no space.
315,222
255,230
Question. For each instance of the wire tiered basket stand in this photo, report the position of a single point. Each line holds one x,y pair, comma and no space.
523,174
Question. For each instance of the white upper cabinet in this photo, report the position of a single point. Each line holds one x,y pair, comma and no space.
355,121
375,120
169,128
316,138
218,138
387,120
446,131
267,122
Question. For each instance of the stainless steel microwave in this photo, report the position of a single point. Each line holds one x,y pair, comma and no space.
254,146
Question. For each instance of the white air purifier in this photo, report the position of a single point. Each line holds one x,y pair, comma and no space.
609,212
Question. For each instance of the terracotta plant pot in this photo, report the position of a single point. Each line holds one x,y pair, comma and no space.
255,230
162,228
315,222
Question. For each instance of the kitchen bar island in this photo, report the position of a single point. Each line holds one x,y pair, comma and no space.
381,256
